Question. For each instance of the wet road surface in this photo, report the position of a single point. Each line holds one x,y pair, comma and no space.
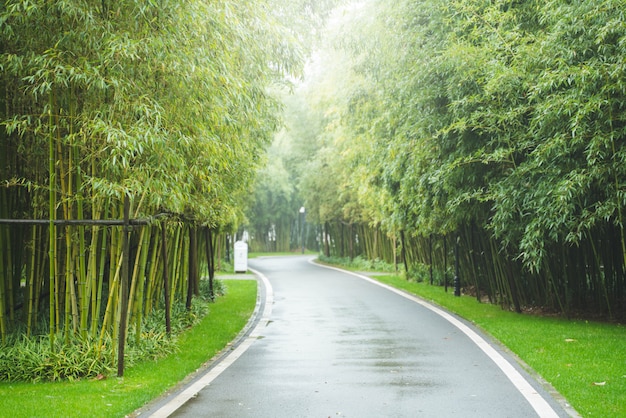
336,345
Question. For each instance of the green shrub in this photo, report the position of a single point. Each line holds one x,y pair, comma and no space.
359,263
219,289
420,272
34,359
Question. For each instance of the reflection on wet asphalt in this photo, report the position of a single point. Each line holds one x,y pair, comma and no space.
339,346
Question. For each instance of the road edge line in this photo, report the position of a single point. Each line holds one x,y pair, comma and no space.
222,364
534,398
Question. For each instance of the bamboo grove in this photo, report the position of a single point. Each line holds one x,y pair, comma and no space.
164,104
494,128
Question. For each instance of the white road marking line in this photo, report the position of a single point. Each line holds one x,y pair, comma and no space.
539,404
191,391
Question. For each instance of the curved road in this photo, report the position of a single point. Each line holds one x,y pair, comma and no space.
331,344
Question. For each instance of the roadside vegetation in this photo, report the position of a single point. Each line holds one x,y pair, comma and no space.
584,360
431,135
359,264
130,135
145,380
37,360
494,129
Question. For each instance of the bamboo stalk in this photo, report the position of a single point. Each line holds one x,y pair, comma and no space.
471,251
210,256
74,299
123,289
192,270
504,290
3,280
154,280
51,227
97,291
140,280
175,250
39,274
5,276
69,283
115,292
111,310
64,274
138,267
9,274
618,198
602,275
166,285
89,296
31,281
81,266
487,262
183,261
4,111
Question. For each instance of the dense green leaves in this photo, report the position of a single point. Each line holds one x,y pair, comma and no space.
167,103
500,122
156,95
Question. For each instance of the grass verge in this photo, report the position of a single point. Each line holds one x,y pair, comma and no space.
584,361
117,397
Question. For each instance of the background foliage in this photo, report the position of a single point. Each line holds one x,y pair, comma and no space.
496,126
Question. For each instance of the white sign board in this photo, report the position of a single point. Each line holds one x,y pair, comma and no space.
241,257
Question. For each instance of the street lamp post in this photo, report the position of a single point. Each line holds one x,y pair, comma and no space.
302,214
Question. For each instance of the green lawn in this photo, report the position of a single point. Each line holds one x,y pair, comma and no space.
585,361
117,397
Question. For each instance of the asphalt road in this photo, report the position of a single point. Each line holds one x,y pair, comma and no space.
330,344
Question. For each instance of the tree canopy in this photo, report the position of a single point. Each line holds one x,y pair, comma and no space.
170,105
497,125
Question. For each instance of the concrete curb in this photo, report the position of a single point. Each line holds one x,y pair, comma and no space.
186,390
